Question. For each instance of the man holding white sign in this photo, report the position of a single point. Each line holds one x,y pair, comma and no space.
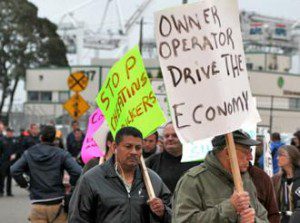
201,54
206,193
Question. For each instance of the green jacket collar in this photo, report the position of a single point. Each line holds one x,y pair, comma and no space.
214,165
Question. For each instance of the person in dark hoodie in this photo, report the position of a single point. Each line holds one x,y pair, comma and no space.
45,164
287,182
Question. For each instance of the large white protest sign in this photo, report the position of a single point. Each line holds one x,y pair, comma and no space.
203,63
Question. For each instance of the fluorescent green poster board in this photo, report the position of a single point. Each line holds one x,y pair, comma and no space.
126,98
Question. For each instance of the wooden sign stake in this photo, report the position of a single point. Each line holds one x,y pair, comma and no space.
147,180
101,160
235,170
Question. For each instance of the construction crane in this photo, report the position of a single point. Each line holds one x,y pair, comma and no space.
75,34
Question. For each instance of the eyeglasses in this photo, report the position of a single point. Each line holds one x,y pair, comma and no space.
283,154
245,151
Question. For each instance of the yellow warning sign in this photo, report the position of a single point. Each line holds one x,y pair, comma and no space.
78,81
76,106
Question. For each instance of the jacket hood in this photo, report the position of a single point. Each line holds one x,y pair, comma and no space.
297,173
214,165
42,152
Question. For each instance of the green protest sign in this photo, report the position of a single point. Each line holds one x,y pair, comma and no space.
126,98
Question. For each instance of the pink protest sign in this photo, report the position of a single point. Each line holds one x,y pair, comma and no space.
90,148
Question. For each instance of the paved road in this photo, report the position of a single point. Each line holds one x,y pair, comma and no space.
15,209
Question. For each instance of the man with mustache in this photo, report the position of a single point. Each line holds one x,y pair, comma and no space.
115,191
206,193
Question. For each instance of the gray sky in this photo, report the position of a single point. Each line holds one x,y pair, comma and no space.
53,9
91,14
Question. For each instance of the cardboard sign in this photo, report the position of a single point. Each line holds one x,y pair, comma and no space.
127,99
203,63
89,147
100,136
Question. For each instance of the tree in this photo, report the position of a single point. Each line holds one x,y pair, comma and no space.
26,41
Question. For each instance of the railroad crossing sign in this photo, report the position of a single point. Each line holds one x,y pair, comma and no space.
76,106
77,81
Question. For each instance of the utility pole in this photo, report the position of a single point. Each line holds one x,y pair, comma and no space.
141,35
271,114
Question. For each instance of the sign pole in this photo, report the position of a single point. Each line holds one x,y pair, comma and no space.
76,106
147,180
101,160
235,170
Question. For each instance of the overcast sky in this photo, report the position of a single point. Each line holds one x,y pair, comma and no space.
54,9
91,11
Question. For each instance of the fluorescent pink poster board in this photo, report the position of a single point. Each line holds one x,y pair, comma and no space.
90,148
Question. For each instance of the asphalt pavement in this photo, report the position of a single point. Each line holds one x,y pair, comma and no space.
15,209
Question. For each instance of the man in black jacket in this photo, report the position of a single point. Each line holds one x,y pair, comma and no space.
168,164
115,191
45,164
10,147
150,145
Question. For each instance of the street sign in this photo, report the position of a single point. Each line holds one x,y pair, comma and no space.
76,106
77,81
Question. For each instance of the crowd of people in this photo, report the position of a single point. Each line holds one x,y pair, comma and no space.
113,189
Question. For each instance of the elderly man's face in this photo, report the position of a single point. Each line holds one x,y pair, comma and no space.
170,139
244,156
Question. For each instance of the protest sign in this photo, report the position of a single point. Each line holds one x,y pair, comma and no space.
100,136
195,151
203,63
267,155
90,148
127,99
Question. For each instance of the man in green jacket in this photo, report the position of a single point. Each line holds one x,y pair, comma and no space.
206,193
